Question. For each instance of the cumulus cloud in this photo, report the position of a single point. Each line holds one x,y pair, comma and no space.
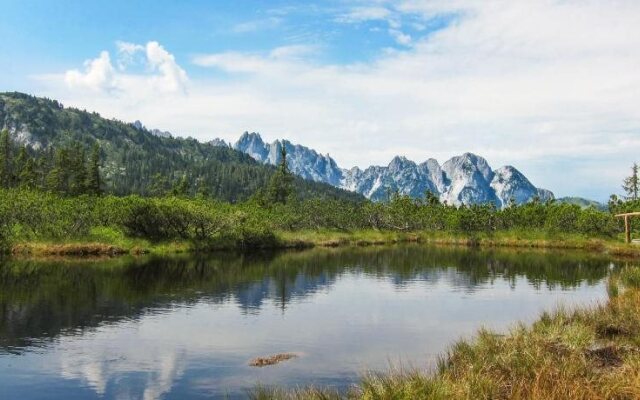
127,53
171,76
163,72
99,75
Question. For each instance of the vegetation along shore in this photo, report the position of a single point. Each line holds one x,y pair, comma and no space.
44,223
586,353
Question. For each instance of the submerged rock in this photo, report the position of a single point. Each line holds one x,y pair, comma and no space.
271,360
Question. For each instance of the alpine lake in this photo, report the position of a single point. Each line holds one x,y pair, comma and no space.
188,327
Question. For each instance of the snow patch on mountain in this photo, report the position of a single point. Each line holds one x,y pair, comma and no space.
302,161
465,179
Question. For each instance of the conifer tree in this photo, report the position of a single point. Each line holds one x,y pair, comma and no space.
5,160
431,198
26,169
182,187
202,188
28,174
93,172
631,185
158,186
280,186
57,178
78,170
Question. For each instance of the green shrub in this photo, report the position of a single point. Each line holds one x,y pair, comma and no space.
27,215
594,222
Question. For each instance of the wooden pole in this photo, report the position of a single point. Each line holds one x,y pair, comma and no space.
627,229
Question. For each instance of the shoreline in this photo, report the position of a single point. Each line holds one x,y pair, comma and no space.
590,352
97,246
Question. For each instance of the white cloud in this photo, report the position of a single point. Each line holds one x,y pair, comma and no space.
99,75
163,74
361,14
278,59
378,13
256,25
171,77
532,84
399,37
127,53
293,51
128,48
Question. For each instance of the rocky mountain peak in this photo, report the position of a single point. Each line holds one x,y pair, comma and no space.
252,144
400,162
464,179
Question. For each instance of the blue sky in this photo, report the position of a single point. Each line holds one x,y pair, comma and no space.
551,87
37,32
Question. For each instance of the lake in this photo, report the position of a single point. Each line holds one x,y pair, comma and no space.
187,327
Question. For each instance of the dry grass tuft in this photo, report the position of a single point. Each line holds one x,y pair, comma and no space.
591,353
68,249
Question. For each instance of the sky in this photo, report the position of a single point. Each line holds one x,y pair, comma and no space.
550,87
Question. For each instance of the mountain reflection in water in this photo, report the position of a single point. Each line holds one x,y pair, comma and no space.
186,327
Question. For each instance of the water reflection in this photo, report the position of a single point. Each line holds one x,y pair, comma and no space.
186,326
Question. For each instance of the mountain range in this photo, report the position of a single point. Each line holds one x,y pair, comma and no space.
464,179
141,160
136,160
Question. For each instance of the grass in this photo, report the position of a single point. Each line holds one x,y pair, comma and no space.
109,241
589,353
101,241
510,238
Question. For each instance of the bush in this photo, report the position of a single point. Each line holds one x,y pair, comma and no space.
39,215
593,222
562,217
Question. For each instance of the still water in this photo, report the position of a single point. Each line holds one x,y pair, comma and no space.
179,328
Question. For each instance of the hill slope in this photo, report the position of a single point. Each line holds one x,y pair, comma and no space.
582,202
135,159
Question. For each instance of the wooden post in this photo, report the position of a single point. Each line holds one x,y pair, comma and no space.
627,223
627,229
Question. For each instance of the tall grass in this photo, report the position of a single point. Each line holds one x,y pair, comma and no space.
588,353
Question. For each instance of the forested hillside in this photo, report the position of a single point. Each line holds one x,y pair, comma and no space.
44,136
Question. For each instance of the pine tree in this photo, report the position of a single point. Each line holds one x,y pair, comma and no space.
280,187
26,169
93,172
28,175
158,185
202,188
631,185
182,187
5,160
55,180
78,170
58,177
431,198
614,203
